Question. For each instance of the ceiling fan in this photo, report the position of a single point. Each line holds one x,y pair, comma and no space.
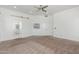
42,8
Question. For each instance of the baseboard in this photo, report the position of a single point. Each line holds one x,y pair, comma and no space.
12,38
67,38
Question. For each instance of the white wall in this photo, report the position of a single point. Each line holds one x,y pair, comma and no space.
67,24
46,25
7,25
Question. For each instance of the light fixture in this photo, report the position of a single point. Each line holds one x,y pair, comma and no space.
41,9
45,14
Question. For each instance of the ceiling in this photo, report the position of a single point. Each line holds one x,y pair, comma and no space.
29,9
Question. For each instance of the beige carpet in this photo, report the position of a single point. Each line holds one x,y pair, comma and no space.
39,44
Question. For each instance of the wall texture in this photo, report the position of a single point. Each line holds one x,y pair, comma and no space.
46,25
67,24
8,22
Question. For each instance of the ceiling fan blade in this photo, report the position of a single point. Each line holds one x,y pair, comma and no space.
38,8
44,10
45,6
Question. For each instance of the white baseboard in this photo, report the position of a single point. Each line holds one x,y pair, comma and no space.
68,38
